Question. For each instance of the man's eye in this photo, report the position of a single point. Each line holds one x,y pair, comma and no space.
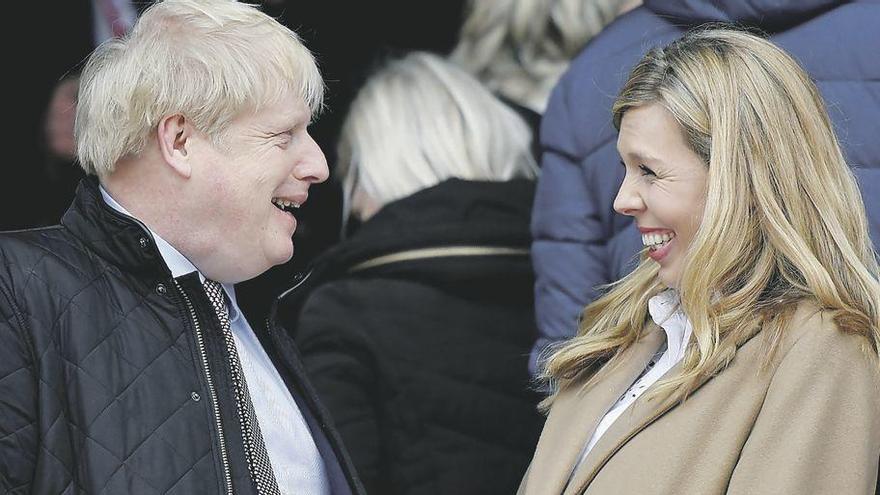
284,137
647,171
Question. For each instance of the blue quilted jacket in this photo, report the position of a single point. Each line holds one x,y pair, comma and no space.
579,241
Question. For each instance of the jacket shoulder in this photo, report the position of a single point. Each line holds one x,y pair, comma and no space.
582,98
337,299
813,333
25,248
36,263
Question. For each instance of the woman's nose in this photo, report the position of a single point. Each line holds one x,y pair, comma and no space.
628,201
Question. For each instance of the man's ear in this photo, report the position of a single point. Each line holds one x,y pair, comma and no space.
174,135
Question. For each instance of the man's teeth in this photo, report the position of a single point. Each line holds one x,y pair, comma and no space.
656,240
284,204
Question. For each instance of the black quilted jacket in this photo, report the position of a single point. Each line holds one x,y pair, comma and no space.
103,358
416,331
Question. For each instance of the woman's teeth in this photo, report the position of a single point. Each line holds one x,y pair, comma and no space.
656,241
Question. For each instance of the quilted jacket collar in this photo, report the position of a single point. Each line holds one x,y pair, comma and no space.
121,240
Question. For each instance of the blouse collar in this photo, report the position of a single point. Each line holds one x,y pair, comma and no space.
665,310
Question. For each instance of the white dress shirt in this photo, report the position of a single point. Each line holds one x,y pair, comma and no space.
295,459
666,312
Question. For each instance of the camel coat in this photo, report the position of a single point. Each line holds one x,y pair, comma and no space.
809,423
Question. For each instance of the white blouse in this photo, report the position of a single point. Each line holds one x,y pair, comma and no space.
666,312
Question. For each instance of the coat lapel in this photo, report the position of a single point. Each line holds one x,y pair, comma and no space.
634,419
577,411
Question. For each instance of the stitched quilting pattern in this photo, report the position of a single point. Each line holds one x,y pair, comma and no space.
110,365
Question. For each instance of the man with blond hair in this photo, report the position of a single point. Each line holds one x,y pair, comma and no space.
126,365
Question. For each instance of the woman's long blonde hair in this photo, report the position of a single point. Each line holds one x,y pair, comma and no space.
784,221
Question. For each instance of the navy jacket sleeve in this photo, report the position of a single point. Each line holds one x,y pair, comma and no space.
580,243
568,251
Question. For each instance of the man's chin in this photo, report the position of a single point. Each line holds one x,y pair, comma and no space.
283,254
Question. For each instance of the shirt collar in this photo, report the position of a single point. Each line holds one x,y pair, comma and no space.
176,262
665,310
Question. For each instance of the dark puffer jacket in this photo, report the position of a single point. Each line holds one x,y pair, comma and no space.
416,332
103,358
580,242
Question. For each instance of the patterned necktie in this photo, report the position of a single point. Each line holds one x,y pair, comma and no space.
255,449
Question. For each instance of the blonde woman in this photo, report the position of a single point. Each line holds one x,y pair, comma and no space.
741,356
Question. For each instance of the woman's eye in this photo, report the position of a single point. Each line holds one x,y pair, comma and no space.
647,171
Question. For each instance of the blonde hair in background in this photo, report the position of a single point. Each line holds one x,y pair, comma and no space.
209,60
520,48
784,220
420,120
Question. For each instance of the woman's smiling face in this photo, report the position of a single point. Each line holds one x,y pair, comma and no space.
665,185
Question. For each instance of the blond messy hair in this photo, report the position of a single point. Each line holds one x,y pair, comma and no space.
209,60
421,120
784,221
520,48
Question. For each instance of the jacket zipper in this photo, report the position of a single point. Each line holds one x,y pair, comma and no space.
224,457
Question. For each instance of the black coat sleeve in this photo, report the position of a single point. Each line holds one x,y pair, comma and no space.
18,402
342,365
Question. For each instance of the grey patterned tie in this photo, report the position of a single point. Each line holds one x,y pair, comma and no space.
255,448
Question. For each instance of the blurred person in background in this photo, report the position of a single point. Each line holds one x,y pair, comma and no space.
430,26
415,330
520,48
741,355
42,175
581,243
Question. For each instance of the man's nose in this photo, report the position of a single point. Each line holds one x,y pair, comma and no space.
312,166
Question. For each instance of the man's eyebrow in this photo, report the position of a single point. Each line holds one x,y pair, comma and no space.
280,127
290,120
